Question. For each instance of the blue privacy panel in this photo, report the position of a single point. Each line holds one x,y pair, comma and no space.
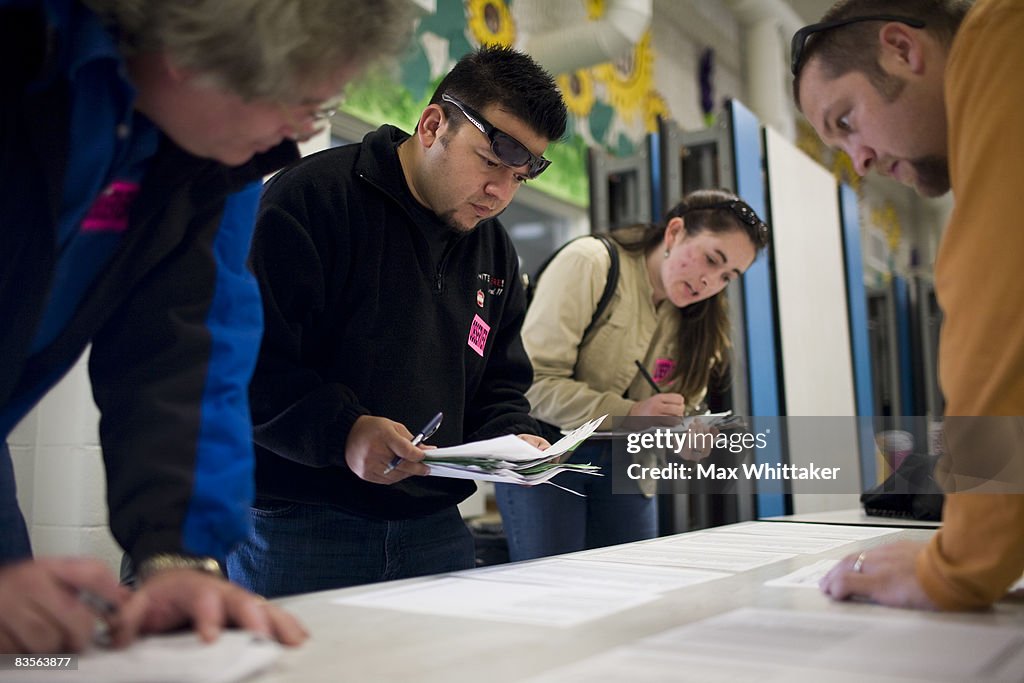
858,306
901,297
759,302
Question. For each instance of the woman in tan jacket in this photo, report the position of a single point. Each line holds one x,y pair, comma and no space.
667,312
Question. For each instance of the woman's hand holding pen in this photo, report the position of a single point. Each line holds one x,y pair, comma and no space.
661,405
669,409
42,608
374,442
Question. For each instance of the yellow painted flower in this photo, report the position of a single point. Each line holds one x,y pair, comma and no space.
490,22
595,9
656,107
836,160
888,221
843,170
807,139
629,79
578,92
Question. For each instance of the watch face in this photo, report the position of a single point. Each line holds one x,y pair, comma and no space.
164,561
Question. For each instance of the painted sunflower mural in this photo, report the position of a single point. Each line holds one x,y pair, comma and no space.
629,79
490,22
578,92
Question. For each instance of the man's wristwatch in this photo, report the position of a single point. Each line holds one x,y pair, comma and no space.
156,563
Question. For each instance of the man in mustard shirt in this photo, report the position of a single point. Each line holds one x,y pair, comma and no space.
928,92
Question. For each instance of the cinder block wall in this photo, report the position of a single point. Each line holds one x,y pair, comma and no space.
59,470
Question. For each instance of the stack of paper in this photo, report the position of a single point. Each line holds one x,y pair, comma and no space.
509,459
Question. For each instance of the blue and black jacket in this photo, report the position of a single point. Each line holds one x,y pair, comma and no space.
174,317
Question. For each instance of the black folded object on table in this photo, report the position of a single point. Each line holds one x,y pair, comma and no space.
910,492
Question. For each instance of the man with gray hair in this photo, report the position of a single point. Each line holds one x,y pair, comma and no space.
928,92
135,134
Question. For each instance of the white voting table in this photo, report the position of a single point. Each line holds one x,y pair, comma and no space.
359,643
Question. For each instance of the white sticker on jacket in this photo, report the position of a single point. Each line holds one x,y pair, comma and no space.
478,333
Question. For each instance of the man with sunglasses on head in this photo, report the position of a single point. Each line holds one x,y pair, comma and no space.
391,293
928,92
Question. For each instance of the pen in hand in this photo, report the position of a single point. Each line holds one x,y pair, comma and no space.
647,376
103,609
420,437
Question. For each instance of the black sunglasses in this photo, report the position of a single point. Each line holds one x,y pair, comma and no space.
506,148
742,211
801,36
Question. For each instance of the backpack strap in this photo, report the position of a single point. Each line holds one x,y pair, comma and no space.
609,285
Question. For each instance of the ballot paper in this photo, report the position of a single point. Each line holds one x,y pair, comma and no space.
811,576
789,646
510,460
174,658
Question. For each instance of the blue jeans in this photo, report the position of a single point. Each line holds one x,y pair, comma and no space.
543,520
300,547
14,543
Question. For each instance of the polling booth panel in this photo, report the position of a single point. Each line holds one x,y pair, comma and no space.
813,317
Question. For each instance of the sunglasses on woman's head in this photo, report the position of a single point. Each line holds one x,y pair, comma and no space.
506,148
742,211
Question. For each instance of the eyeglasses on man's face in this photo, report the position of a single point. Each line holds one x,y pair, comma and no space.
312,123
506,148
801,36
742,211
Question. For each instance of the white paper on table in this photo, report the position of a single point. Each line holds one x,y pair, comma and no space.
805,577
695,555
591,574
879,641
174,658
770,544
811,575
794,646
559,605
847,532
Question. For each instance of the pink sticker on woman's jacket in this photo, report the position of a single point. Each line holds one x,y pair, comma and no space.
109,213
663,368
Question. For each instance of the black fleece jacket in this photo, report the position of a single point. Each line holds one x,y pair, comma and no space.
374,307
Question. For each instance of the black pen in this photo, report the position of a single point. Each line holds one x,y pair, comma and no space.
422,436
97,603
103,609
647,376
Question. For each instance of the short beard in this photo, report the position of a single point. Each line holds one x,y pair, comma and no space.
448,218
932,176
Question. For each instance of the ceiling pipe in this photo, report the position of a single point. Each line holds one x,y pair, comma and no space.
565,49
768,27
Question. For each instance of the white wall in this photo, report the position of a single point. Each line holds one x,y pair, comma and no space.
59,470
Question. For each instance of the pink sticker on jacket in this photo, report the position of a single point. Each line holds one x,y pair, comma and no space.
478,333
663,367
109,213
